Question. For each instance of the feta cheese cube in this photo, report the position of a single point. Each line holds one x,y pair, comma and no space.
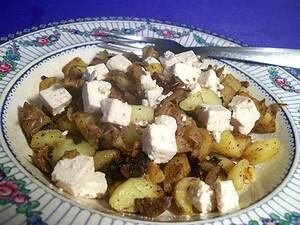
244,114
187,57
195,87
95,186
118,62
93,93
116,112
153,92
168,59
216,118
209,79
159,141
98,72
165,120
186,73
202,197
147,82
151,60
226,196
77,176
55,98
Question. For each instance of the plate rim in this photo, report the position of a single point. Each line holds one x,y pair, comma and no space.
95,19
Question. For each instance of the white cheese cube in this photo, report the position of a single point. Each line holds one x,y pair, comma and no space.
186,73
195,87
209,79
153,96
95,186
159,141
216,118
77,176
202,197
168,59
116,112
151,60
226,196
165,120
93,93
98,72
118,62
187,57
55,98
153,92
244,114
147,82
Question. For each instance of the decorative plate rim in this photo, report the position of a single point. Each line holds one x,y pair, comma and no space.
95,19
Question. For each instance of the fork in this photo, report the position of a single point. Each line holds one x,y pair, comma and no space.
274,56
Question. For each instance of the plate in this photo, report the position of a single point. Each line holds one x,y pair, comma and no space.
26,196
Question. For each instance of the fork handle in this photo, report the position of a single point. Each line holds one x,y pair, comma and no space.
274,56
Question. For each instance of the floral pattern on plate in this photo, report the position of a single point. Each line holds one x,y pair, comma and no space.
14,192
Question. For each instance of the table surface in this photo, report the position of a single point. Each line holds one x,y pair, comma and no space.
257,22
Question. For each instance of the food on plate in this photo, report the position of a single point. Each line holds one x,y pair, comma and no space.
141,131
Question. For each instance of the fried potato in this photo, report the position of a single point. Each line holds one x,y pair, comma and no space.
48,82
204,148
153,207
83,148
237,174
242,141
262,150
154,173
209,97
225,163
176,169
227,146
123,197
64,123
191,102
154,68
141,114
227,94
181,195
267,121
74,69
205,96
230,80
86,124
44,138
105,157
128,138
32,120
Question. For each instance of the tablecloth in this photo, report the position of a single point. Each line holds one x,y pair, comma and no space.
257,22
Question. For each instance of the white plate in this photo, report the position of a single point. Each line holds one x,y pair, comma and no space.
27,196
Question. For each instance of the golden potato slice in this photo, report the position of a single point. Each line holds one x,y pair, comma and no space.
87,125
237,174
154,68
44,138
227,146
191,102
141,114
242,141
103,158
181,195
262,150
176,169
209,97
64,123
48,82
123,197
83,148
154,173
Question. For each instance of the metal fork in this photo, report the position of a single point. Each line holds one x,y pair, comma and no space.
273,56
